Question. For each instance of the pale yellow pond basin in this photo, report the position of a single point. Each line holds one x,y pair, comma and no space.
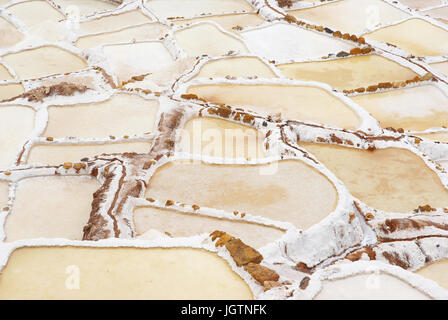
289,42
384,179
26,12
437,136
178,224
206,38
369,287
441,67
189,8
16,125
229,22
364,15
119,273
127,60
437,272
293,102
236,67
87,80
440,14
163,78
43,61
11,90
348,73
4,73
58,154
145,32
415,109
284,191
45,26
412,37
121,115
114,22
9,34
60,209
420,4
211,137
84,7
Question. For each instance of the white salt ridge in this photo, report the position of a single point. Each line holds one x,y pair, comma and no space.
281,41
345,270
301,246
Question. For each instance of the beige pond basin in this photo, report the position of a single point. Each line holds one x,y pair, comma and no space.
44,26
416,108
4,74
289,42
4,190
87,80
165,77
58,154
119,273
189,8
16,125
121,115
364,15
8,91
284,191
441,67
369,287
43,61
412,37
51,207
9,34
437,136
26,12
440,14
437,272
240,67
420,4
211,137
178,224
84,7
206,38
348,73
114,22
145,32
384,179
127,60
229,22
293,102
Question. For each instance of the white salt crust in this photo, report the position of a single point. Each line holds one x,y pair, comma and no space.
323,245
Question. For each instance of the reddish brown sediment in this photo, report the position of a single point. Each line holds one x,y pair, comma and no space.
387,255
389,85
357,255
106,76
61,89
96,227
285,3
261,273
304,283
393,225
247,257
